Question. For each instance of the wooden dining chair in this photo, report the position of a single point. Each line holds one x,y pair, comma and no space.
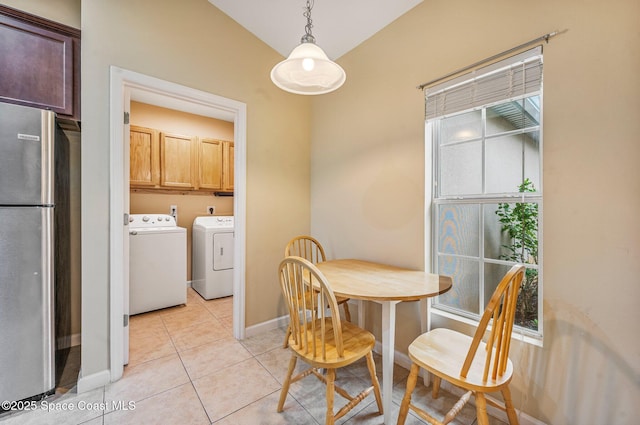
470,363
319,338
309,248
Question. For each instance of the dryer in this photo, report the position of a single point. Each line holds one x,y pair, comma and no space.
212,256
157,263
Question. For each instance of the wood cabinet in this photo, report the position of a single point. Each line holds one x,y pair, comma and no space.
40,63
178,161
144,157
216,165
161,160
210,164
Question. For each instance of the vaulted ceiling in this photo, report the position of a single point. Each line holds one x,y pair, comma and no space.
338,25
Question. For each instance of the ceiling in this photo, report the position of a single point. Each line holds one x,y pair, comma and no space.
338,25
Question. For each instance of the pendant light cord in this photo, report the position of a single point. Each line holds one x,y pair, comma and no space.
308,36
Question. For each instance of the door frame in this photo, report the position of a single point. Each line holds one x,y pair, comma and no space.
170,95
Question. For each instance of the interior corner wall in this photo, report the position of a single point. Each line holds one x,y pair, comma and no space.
194,44
368,174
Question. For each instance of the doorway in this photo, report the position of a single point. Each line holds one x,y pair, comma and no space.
125,87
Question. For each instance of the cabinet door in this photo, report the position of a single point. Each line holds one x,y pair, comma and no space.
228,166
178,161
210,164
40,63
144,157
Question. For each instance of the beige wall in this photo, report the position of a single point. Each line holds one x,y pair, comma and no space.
368,182
190,205
194,44
66,12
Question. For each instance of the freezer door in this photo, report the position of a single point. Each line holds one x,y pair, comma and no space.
26,155
26,302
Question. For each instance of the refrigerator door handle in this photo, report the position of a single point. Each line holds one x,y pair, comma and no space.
48,164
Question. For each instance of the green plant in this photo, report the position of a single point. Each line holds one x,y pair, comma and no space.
520,225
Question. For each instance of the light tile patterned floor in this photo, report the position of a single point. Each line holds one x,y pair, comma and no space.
186,368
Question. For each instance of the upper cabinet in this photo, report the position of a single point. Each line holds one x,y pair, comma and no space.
178,161
144,157
40,65
210,164
160,160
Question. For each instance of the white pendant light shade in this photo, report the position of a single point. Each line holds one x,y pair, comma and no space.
309,71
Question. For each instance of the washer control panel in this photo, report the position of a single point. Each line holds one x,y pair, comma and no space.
151,220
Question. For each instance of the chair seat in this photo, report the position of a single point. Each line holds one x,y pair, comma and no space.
357,342
443,352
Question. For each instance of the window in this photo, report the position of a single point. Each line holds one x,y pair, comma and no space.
485,129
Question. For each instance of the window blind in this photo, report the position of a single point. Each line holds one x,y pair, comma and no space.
515,76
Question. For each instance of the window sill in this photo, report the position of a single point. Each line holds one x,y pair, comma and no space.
517,334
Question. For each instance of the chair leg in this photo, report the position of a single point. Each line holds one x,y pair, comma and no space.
508,404
371,365
481,409
406,400
331,377
436,386
286,337
347,314
287,382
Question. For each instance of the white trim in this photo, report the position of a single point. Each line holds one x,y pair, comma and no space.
278,322
116,241
93,381
174,96
515,334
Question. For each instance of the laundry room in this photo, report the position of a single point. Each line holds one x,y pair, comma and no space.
181,164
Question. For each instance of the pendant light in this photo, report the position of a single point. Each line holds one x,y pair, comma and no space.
308,70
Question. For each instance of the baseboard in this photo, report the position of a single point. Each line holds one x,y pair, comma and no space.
403,360
93,381
278,322
69,342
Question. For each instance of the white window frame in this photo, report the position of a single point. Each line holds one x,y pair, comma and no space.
433,200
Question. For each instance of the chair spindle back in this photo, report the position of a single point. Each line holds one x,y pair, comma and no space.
306,291
501,308
306,247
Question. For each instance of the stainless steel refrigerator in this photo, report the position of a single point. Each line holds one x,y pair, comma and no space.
28,243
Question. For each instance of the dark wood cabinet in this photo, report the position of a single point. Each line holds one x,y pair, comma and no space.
39,63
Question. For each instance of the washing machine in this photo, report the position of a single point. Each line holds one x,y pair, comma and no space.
157,263
212,256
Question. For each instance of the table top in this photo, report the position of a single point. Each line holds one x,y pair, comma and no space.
365,280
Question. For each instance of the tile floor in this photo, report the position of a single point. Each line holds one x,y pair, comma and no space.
186,368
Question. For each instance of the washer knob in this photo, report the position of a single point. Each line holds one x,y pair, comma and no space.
145,218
